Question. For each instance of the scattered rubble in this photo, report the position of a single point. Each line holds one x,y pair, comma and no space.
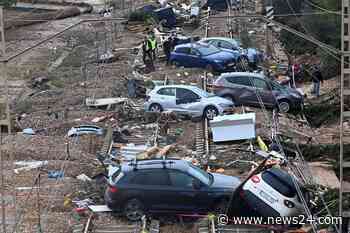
57,183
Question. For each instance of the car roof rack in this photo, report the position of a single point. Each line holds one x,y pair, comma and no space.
162,161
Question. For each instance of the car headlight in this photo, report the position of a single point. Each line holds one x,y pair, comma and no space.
226,105
296,95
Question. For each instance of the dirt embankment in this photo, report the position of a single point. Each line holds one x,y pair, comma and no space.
57,10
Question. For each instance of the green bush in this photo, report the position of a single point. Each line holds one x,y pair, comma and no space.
7,3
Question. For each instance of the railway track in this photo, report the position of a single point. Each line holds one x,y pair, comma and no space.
203,142
139,227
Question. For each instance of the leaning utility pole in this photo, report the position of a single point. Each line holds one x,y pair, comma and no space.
344,100
5,120
4,114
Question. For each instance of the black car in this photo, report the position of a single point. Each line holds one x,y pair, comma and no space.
167,186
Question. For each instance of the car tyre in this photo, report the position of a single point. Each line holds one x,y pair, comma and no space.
155,108
209,68
221,207
134,210
210,112
175,63
284,106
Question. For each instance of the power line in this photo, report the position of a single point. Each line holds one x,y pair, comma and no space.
321,8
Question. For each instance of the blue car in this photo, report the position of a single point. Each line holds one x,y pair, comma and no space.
251,56
202,55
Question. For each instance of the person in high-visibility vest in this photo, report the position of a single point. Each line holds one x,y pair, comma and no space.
147,55
152,45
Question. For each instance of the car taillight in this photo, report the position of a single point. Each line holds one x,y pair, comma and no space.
255,179
113,189
241,194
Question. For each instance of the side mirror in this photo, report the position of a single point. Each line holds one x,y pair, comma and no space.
196,184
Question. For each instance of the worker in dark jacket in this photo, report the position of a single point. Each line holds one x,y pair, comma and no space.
167,44
317,79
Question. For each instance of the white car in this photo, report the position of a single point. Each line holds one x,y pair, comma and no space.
271,193
186,100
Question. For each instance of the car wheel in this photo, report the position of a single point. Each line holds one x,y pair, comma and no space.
134,210
175,63
209,68
155,108
221,207
243,64
210,112
229,97
284,106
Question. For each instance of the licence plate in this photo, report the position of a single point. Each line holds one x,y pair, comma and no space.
267,197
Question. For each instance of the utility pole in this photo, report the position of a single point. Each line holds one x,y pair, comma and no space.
38,203
5,120
344,100
4,111
3,213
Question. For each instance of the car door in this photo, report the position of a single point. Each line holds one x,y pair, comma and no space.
188,102
263,89
166,97
185,197
241,89
196,59
152,186
181,57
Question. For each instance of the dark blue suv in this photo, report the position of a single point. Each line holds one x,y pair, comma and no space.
167,186
201,55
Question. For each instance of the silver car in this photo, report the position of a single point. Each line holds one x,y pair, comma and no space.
186,100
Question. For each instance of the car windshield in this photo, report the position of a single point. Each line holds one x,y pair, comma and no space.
208,50
202,93
235,43
276,86
200,174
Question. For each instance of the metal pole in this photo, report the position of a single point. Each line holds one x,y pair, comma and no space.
38,203
341,149
2,185
3,48
293,76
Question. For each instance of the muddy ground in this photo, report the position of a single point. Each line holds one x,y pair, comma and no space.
58,66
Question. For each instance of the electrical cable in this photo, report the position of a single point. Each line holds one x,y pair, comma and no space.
306,208
310,3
